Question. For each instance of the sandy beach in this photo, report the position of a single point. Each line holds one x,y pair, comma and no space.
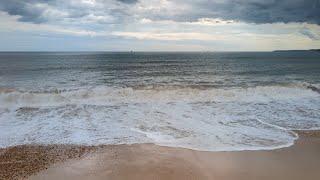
148,161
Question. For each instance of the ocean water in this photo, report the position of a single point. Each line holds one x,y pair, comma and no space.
202,101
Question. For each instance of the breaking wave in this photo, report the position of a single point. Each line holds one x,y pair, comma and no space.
196,117
144,94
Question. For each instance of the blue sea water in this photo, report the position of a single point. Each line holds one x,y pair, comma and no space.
222,101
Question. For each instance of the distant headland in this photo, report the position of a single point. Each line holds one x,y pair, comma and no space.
310,50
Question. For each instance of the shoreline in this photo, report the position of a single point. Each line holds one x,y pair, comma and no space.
149,161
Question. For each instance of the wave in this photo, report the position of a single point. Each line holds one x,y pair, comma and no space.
146,94
208,119
313,88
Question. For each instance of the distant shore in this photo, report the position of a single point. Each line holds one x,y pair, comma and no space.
148,161
308,50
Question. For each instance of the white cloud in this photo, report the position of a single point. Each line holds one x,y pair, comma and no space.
176,36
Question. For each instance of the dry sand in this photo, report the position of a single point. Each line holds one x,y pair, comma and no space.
22,161
148,161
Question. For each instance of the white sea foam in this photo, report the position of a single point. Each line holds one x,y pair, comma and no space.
107,96
204,119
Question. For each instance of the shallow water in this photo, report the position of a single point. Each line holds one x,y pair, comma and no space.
203,101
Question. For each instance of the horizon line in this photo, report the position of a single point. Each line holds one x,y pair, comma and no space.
142,51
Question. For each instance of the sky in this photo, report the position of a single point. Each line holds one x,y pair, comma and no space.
159,25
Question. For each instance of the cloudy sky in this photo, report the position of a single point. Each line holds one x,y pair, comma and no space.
159,25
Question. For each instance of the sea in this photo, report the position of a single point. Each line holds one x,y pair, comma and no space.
206,101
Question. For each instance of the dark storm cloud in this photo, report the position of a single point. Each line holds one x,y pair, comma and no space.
257,11
261,11
24,9
252,11
41,11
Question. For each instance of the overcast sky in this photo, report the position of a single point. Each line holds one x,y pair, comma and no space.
159,25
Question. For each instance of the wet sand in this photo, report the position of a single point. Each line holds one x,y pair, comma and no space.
148,161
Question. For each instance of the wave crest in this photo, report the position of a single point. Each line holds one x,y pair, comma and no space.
210,119
107,95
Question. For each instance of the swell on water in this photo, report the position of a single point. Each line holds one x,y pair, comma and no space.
201,118
106,95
